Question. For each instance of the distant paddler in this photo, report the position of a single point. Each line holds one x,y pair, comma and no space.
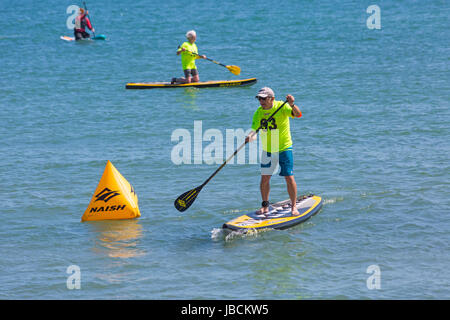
189,53
81,22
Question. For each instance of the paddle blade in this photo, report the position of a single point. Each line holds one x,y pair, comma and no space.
184,201
234,69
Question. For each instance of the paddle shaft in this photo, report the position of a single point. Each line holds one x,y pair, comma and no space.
238,149
85,8
221,64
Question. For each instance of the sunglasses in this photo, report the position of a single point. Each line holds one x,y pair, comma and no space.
261,98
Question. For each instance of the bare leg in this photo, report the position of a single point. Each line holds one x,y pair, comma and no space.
183,80
265,190
196,78
292,190
188,78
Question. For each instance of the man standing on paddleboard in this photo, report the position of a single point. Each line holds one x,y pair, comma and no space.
276,143
189,53
81,22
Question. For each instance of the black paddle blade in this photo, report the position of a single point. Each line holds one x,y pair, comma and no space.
186,199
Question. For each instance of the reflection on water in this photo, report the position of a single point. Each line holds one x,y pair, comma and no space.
118,239
189,98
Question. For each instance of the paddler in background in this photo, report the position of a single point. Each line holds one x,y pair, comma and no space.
188,59
81,22
276,144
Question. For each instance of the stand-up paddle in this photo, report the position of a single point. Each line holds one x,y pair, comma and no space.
96,37
184,201
233,69
85,8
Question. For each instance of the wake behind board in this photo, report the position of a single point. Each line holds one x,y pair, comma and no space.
279,215
97,37
204,84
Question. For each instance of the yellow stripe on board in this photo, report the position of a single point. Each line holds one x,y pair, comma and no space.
224,82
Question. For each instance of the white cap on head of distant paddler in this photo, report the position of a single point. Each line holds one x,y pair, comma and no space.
264,93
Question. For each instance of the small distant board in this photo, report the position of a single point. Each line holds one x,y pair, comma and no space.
97,37
279,215
204,84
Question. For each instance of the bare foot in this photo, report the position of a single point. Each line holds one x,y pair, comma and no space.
263,210
295,211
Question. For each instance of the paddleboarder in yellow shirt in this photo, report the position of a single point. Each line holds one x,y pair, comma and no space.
188,59
276,143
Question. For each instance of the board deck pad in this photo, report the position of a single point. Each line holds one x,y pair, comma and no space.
279,215
201,84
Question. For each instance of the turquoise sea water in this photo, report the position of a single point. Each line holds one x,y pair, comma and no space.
373,142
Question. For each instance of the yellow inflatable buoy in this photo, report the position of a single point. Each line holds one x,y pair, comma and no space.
113,199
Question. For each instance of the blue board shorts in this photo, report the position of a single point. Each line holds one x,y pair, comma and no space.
270,162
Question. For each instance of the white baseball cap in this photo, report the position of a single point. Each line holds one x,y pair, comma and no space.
265,92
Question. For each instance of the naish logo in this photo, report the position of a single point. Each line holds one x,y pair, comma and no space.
230,84
106,195
107,208
182,203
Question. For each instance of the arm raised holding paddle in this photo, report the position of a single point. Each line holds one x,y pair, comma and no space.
184,201
296,113
197,56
